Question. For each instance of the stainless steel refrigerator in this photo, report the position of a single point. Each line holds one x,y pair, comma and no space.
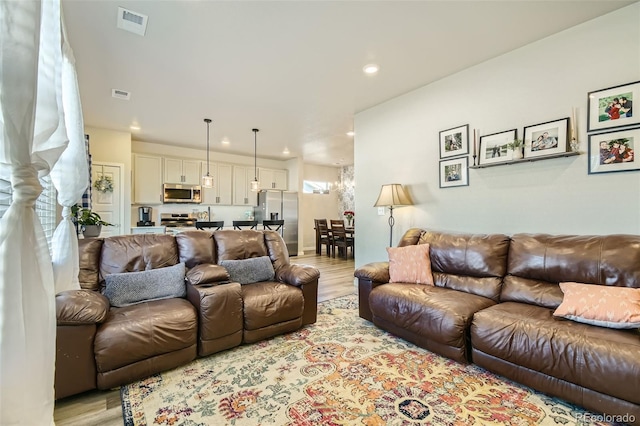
280,205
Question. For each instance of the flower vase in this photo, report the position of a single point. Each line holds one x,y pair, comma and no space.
518,154
349,223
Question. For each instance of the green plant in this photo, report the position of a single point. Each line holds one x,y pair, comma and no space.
516,143
83,217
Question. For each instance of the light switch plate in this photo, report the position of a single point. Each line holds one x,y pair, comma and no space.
380,211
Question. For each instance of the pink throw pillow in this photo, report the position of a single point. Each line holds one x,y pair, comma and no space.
601,305
410,264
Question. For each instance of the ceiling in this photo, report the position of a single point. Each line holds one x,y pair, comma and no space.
293,69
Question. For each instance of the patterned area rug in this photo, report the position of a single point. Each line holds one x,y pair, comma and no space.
340,371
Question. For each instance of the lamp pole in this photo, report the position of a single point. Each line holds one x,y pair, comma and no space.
392,222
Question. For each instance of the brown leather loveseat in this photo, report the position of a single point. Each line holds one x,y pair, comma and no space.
102,346
492,304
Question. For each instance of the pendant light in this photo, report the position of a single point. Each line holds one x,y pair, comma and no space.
207,180
255,185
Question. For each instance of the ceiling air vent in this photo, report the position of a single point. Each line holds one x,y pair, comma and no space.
131,21
121,94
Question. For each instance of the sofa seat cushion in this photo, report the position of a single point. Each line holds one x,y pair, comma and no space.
267,303
439,314
596,358
138,332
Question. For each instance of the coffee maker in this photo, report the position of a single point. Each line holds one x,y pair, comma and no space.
144,216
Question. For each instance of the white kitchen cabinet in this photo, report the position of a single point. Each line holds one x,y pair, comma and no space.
177,170
242,194
147,179
272,179
222,191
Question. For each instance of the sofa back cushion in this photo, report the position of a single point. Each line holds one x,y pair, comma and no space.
539,262
135,253
473,263
237,245
411,237
89,250
277,249
196,248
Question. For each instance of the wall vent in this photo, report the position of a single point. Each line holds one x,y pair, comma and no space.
131,21
121,94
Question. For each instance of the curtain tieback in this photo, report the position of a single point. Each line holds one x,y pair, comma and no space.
26,185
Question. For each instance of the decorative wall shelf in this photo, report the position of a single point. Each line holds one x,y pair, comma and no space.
527,160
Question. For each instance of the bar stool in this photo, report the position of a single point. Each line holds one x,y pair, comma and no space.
267,224
218,224
238,224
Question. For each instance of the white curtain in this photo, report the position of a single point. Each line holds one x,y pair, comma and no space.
72,163
32,138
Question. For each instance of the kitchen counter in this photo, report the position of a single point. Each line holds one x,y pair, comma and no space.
148,230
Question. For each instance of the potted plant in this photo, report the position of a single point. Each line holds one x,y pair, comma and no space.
517,147
90,222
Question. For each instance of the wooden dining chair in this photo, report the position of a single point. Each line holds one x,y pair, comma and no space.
323,236
340,240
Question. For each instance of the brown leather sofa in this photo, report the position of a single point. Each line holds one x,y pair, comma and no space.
492,305
100,346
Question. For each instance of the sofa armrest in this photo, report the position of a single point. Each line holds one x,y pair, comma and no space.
369,277
207,273
81,307
297,275
376,271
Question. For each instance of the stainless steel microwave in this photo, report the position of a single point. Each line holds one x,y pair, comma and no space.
177,193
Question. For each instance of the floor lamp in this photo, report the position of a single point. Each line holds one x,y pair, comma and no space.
392,195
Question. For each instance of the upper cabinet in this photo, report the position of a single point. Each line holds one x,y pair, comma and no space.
272,179
242,194
147,179
177,170
222,191
232,183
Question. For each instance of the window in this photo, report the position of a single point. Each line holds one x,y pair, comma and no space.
46,205
46,208
311,187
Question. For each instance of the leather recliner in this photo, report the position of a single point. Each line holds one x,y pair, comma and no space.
100,346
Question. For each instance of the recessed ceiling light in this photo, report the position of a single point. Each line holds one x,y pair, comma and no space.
134,127
371,69
350,133
286,151
225,142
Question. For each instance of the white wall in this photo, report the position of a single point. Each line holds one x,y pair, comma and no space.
397,142
115,147
317,206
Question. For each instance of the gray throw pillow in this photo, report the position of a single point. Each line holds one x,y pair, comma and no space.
250,270
130,288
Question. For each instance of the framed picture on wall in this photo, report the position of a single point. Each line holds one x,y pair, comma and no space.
494,147
612,107
614,151
546,138
454,172
454,142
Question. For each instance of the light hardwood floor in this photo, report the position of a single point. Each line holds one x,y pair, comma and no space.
103,408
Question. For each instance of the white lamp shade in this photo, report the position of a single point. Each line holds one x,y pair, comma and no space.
255,185
393,195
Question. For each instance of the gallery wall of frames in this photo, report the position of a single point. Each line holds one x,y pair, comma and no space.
613,137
